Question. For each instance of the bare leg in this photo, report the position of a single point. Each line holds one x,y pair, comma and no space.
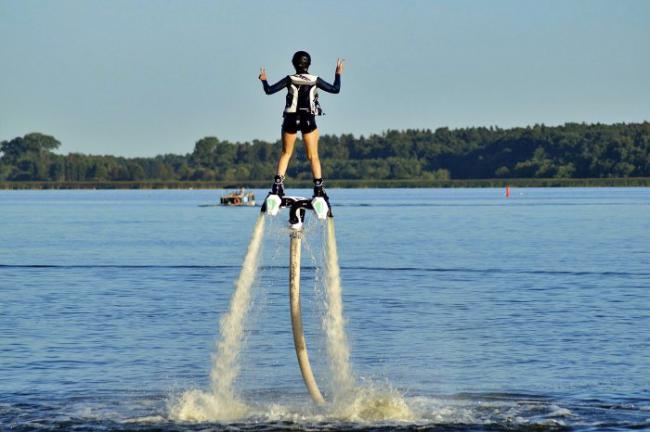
311,149
288,141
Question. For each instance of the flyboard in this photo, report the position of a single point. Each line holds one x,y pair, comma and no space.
298,207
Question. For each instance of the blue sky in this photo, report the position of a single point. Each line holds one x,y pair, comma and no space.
140,78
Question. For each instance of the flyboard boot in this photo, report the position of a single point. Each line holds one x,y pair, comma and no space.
273,200
320,202
276,200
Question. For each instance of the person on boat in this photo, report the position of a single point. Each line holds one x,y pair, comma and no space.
300,113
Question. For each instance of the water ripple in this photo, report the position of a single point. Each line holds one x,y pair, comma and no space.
308,267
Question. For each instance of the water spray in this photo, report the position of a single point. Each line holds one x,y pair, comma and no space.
347,400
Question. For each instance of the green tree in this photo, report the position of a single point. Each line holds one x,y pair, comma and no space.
28,156
203,153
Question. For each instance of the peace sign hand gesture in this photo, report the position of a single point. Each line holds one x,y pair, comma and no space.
262,76
340,65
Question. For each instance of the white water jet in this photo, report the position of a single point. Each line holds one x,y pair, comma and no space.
225,367
351,401
334,324
222,403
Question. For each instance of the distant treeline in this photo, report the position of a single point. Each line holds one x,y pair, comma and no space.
339,183
571,151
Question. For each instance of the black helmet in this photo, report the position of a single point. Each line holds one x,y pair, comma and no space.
301,66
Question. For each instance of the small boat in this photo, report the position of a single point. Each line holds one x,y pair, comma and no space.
238,198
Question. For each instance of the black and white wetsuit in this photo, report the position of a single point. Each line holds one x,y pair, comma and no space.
302,105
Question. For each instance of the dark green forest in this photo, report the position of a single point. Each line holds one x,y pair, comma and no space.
569,151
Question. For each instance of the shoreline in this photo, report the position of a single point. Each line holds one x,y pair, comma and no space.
347,184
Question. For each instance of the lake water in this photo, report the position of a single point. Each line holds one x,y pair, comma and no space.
483,313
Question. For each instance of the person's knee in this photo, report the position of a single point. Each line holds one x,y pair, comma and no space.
312,156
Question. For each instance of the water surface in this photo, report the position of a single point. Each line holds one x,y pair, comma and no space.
531,312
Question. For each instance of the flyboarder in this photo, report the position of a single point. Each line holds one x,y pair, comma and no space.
300,113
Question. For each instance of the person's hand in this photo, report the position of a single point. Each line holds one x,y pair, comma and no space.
262,76
340,66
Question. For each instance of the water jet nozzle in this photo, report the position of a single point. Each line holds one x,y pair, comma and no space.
297,208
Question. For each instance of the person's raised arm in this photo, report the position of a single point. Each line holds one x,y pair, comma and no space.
336,87
270,89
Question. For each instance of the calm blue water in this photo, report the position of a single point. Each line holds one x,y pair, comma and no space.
487,313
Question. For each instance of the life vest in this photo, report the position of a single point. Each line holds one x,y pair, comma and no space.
302,94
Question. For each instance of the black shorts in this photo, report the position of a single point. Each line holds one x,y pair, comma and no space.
303,122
